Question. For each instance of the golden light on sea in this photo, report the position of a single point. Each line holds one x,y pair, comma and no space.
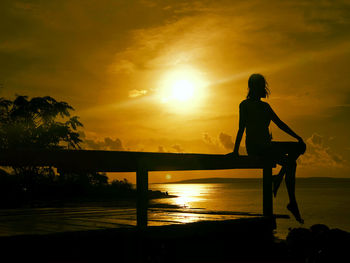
187,194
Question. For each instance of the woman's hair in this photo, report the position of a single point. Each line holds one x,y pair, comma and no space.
257,87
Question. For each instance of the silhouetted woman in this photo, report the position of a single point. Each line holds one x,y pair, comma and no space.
255,117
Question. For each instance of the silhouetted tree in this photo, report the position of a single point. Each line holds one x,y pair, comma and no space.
33,124
37,123
98,179
121,184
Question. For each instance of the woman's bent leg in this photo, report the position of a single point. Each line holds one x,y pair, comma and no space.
277,180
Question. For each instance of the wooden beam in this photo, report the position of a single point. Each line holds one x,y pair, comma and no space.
142,197
122,161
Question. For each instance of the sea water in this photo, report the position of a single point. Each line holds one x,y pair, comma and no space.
321,200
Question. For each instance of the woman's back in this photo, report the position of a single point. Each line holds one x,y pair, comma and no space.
256,115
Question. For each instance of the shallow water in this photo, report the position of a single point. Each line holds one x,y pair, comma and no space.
324,201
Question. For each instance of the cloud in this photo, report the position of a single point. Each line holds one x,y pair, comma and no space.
115,144
320,155
315,141
82,135
161,149
207,139
221,143
107,144
226,141
123,66
177,148
137,93
212,143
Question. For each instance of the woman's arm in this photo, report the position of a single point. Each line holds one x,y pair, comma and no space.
240,132
238,141
284,127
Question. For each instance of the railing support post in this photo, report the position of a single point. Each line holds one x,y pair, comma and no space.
142,197
267,192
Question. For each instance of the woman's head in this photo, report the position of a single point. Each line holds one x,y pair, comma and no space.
257,87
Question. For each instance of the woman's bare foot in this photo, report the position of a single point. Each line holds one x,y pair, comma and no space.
293,208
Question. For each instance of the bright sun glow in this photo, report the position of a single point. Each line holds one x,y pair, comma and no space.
182,89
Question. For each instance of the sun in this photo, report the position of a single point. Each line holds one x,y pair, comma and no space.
182,89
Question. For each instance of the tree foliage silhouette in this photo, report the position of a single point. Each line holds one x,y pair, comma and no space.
38,123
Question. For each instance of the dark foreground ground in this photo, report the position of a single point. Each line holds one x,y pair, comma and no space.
242,240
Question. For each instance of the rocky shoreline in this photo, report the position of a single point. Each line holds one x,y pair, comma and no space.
319,243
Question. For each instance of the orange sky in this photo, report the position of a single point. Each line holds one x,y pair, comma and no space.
113,62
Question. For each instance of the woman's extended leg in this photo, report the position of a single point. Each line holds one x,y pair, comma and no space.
290,184
280,151
287,153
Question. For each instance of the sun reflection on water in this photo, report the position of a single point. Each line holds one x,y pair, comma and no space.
188,195
194,202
